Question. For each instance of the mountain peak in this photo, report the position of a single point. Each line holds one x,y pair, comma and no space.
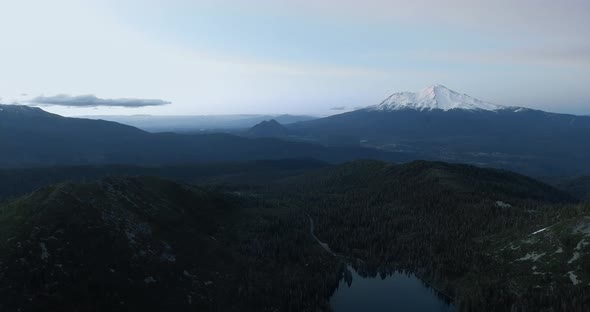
22,110
435,87
433,97
268,128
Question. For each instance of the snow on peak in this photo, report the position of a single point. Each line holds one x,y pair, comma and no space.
433,97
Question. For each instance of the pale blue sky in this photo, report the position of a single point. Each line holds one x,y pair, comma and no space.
293,56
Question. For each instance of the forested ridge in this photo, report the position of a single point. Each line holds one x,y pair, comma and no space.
441,221
465,230
139,243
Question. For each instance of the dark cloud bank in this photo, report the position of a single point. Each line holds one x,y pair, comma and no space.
93,101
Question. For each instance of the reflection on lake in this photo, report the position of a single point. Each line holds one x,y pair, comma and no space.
394,292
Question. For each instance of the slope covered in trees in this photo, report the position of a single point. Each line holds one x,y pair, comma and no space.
31,137
524,140
577,186
150,244
18,182
145,244
439,220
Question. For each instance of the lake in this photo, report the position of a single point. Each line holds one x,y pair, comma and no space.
395,292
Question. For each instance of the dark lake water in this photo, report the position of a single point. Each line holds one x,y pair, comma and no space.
397,292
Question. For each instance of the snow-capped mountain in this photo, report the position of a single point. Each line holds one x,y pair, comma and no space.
433,97
437,123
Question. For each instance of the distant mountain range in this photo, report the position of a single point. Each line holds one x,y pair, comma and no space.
199,123
438,123
32,137
433,124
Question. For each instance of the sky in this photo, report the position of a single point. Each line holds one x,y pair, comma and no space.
318,57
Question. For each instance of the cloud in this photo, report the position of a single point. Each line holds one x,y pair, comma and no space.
93,101
338,108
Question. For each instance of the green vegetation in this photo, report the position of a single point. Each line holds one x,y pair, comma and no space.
577,186
435,219
242,241
146,244
18,182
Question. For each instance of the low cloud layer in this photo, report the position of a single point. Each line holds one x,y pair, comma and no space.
338,108
93,101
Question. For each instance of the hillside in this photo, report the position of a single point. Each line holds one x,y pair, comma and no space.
145,244
527,141
420,216
198,123
556,254
128,243
268,129
440,124
18,182
104,242
578,186
32,137
424,177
